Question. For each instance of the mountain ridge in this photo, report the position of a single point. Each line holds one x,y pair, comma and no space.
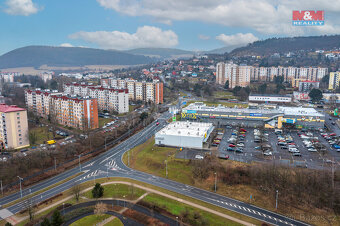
36,56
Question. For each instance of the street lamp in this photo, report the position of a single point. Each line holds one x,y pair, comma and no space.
176,220
215,180
166,168
20,179
277,194
63,209
2,190
79,163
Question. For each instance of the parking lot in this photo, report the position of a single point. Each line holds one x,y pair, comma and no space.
293,148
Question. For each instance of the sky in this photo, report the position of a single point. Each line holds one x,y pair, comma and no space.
184,24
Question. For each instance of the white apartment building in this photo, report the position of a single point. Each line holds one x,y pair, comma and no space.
109,99
225,71
334,78
138,90
39,101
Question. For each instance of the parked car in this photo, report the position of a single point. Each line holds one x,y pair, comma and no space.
230,149
268,153
239,150
297,154
199,157
223,156
232,145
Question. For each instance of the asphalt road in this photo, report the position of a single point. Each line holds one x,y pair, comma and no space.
110,164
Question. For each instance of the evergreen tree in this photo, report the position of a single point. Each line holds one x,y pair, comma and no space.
57,219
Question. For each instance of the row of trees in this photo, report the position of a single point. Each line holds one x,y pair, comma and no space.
40,160
297,187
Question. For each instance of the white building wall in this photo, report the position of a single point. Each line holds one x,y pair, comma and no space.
179,141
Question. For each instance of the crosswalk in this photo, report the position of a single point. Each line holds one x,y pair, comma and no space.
91,175
112,165
254,212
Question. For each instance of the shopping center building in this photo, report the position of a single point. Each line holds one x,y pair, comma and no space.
278,117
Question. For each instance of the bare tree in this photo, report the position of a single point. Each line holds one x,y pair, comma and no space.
76,191
100,209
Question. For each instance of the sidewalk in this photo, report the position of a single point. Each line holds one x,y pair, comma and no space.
148,191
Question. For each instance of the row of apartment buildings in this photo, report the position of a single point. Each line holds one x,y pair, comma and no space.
109,99
72,111
137,90
242,75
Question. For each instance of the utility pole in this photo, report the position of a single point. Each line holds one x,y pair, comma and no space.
55,164
105,142
215,181
20,185
79,163
166,168
277,196
128,158
2,191
333,173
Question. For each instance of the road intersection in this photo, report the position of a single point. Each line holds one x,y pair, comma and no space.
110,164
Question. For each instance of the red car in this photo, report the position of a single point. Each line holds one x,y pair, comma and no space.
224,156
157,123
332,134
243,130
231,145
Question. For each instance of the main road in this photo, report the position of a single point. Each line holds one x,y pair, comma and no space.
110,164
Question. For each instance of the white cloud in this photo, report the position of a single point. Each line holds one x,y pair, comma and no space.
146,36
66,45
204,37
264,16
238,39
21,7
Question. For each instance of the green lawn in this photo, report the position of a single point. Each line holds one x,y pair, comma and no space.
90,220
224,94
103,121
114,222
119,191
178,209
151,159
132,107
42,134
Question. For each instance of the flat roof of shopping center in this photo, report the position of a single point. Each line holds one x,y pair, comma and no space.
189,129
298,111
202,107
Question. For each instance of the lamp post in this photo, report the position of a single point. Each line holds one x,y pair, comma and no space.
166,168
277,195
215,181
55,164
79,163
2,190
20,185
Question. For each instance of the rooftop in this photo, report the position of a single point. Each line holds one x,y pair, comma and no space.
10,108
221,108
300,111
188,129
268,95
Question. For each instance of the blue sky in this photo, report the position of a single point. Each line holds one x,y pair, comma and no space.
127,24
